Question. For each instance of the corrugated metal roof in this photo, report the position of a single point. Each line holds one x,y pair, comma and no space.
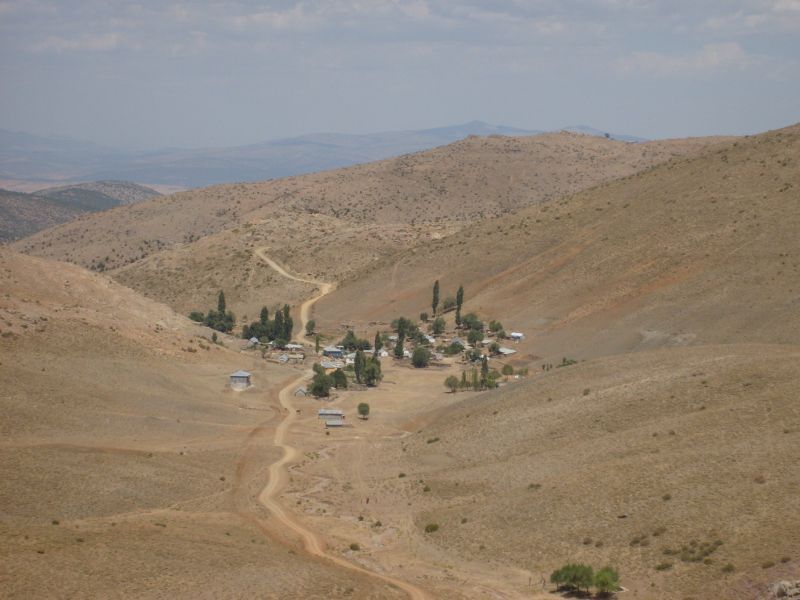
240,373
334,423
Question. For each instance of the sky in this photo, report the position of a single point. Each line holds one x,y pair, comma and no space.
156,74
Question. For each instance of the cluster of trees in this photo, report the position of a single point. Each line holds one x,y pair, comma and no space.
483,379
219,320
449,303
278,329
352,342
366,370
577,576
322,383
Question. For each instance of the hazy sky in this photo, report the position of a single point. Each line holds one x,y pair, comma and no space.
155,73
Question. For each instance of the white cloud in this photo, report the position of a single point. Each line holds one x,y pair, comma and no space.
711,57
97,43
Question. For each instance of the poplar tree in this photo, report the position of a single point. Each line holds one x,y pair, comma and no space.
435,301
459,303
377,346
221,303
359,363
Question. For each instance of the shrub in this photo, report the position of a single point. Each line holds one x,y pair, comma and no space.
431,527
663,566
767,565
355,547
728,568
452,383
438,325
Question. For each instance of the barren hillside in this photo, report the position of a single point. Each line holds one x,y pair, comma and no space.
698,250
337,222
129,469
669,464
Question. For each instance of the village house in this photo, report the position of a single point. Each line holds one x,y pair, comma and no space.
333,352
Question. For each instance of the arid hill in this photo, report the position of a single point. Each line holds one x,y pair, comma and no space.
100,195
129,469
23,214
698,250
334,223
669,464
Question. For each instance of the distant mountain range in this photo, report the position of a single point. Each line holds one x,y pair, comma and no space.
55,159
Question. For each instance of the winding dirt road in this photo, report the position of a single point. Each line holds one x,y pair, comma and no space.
278,474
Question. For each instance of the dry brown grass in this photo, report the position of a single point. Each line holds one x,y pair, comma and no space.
129,470
697,250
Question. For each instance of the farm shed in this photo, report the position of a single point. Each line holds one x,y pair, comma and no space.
334,423
240,380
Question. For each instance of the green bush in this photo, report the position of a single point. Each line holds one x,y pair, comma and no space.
431,528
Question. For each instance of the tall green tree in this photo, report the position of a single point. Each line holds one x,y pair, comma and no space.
310,326
459,304
435,300
463,384
420,357
221,303
339,379
316,343
377,345
264,317
372,372
288,324
277,325
484,372
359,364
398,348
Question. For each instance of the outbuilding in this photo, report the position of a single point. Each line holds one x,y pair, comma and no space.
240,380
506,351
334,423
330,413
517,336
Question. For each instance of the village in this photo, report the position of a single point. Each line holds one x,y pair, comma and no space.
470,355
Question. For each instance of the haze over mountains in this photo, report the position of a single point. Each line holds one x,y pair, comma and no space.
25,157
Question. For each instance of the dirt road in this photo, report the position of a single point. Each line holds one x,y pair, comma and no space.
278,475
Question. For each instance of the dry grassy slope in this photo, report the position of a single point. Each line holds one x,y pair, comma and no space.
691,444
134,447
188,277
698,250
456,183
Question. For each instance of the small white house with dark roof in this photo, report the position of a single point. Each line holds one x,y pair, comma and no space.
240,380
